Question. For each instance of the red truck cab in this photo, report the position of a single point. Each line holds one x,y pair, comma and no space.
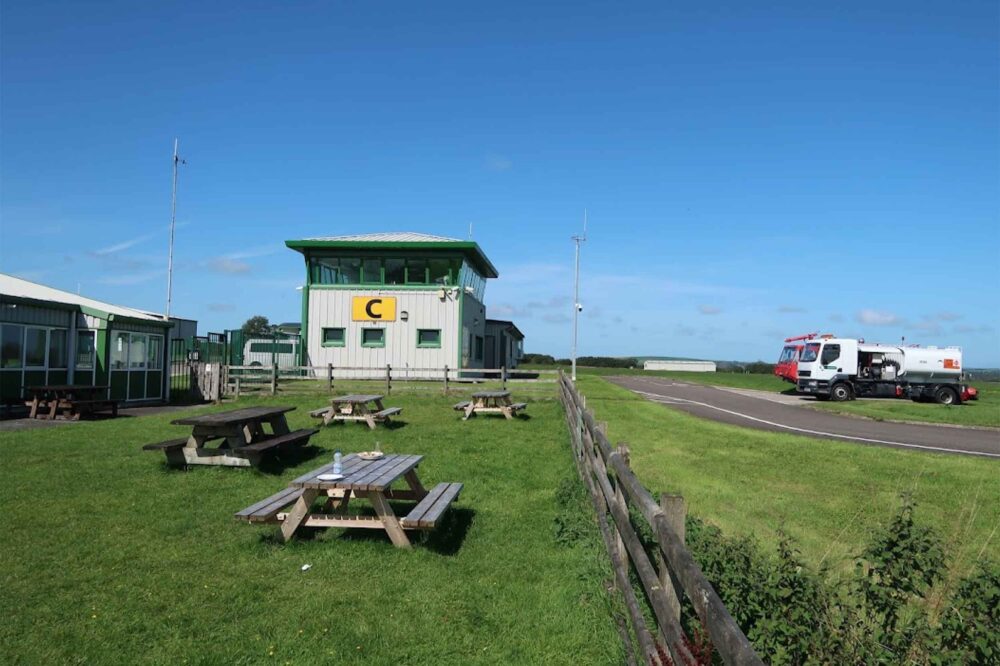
787,367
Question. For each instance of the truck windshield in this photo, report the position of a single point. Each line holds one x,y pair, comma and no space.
788,354
809,352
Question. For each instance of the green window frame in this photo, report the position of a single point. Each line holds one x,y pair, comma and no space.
373,337
429,338
334,337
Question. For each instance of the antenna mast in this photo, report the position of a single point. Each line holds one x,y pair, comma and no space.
173,219
576,290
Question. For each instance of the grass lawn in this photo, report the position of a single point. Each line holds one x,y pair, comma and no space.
827,495
982,412
110,557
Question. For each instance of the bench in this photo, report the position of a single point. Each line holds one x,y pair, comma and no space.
91,406
518,405
266,510
168,445
319,413
387,412
460,406
426,514
292,438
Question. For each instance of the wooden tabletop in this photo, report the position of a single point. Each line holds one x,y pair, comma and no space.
356,398
491,394
233,416
63,388
361,474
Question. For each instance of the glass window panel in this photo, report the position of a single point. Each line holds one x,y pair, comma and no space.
11,341
333,337
34,347
373,337
439,271
479,348
153,353
85,350
350,271
395,271
324,270
119,351
137,352
371,271
416,271
57,348
428,337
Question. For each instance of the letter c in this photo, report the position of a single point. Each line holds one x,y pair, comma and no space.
368,308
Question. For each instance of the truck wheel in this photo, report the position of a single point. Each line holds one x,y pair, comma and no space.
945,396
840,392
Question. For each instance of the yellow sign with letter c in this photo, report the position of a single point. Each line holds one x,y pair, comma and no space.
373,308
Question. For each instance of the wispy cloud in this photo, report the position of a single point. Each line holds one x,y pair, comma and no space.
498,163
132,278
709,309
878,318
235,263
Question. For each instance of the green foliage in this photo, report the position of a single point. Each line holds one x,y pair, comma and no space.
900,564
970,624
795,616
257,326
573,522
537,359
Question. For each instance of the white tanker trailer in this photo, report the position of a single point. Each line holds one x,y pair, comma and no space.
844,369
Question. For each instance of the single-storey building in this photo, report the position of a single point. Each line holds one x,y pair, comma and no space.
504,344
409,300
680,366
49,336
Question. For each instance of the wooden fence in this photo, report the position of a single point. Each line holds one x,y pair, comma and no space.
674,574
240,379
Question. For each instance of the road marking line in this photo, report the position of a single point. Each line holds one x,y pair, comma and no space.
676,401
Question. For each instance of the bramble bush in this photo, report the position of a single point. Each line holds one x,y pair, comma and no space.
877,616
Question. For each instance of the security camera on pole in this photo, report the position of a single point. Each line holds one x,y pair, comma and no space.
577,307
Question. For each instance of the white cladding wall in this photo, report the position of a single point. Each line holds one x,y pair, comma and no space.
332,308
680,366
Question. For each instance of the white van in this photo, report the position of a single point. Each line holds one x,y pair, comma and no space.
266,352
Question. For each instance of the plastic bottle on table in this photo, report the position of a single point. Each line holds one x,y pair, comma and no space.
336,462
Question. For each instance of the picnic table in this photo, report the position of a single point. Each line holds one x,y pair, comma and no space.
361,479
68,402
490,402
356,407
244,439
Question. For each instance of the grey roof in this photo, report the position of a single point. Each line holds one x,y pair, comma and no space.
18,288
389,237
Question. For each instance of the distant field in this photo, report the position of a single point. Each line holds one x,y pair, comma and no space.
827,495
733,379
982,412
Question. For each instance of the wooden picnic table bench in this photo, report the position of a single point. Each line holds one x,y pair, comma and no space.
356,407
244,439
371,480
65,401
490,402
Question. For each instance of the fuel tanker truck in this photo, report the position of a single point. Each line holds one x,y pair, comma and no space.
844,369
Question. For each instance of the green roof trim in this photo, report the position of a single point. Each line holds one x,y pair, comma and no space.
470,249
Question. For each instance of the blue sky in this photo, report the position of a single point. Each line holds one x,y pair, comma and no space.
751,170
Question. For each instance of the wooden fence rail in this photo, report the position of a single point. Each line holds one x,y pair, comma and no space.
243,378
614,488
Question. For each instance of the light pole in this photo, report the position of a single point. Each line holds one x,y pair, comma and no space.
576,290
173,218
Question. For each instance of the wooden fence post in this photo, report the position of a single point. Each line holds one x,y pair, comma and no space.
446,380
329,376
388,379
675,511
503,377
622,450
237,388
274,379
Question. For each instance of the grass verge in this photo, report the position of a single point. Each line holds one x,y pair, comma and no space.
984,412
110,557
827,495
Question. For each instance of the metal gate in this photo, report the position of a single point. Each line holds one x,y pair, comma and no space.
187,355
